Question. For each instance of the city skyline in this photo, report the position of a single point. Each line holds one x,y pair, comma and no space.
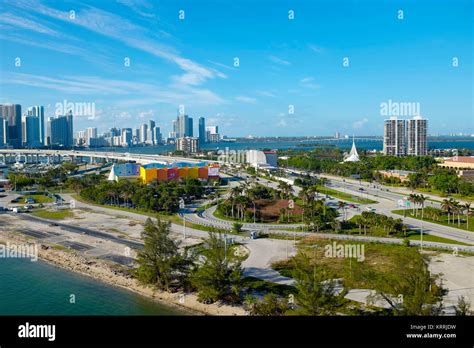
291,76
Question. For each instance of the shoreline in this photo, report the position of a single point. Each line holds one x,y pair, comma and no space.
114,275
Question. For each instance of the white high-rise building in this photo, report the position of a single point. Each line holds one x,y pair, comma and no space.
143,133
394,138
90,132
417,130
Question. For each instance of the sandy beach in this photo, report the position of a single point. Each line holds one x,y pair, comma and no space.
114,274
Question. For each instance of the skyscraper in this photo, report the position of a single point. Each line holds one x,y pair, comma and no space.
202,130
38,111
182,126
60,130
152,124
416,135
143,132
190,128
31,131
12,114
212,134
394,139
157,135
3,129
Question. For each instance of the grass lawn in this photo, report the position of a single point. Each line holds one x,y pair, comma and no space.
172,218
431,238
378,258
345,196
443,219
262,286
444,195
53,214
39,198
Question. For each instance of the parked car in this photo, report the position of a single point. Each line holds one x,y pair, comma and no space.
28,206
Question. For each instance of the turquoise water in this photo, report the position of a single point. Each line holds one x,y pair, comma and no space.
362,144
37,288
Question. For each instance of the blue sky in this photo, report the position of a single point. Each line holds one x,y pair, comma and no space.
283,62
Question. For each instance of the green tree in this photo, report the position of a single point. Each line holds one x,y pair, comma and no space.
315,288
463,306
270,305
160,262
409,288
217,278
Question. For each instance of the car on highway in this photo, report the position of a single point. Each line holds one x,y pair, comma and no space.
28,206
352,206
361,189
53,224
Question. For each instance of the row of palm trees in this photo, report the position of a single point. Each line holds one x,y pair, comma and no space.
453,208
420,200
456,209
371,220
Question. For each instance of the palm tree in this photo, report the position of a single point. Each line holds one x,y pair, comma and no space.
456,210
421,201
234,193
412,199
358,221
286,189
447,207
467,206
342,205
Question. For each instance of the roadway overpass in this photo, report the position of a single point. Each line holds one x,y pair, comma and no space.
56,156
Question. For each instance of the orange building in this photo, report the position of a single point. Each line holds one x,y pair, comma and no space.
193,172
183,172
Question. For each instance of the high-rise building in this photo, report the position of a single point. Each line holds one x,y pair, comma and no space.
127,137
12,114
202,130
60,130
38,111
157,136
187,144
91,133
212,134
190,132
30,131
394,139
143,133
182,124
417,130
3,129
152,124
136,136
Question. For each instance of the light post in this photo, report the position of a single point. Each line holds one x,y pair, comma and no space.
182,206
225,247
254,211
421,235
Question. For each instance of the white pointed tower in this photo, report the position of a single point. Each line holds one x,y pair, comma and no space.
353,155
112,176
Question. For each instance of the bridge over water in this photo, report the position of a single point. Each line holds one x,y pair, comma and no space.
57,156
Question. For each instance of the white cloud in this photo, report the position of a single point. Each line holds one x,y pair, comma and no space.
118,28
361,123
24,23
141,7
280,61
315,48
266,94
244,99
307,82
127,91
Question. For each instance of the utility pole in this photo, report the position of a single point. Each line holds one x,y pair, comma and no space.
182,206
